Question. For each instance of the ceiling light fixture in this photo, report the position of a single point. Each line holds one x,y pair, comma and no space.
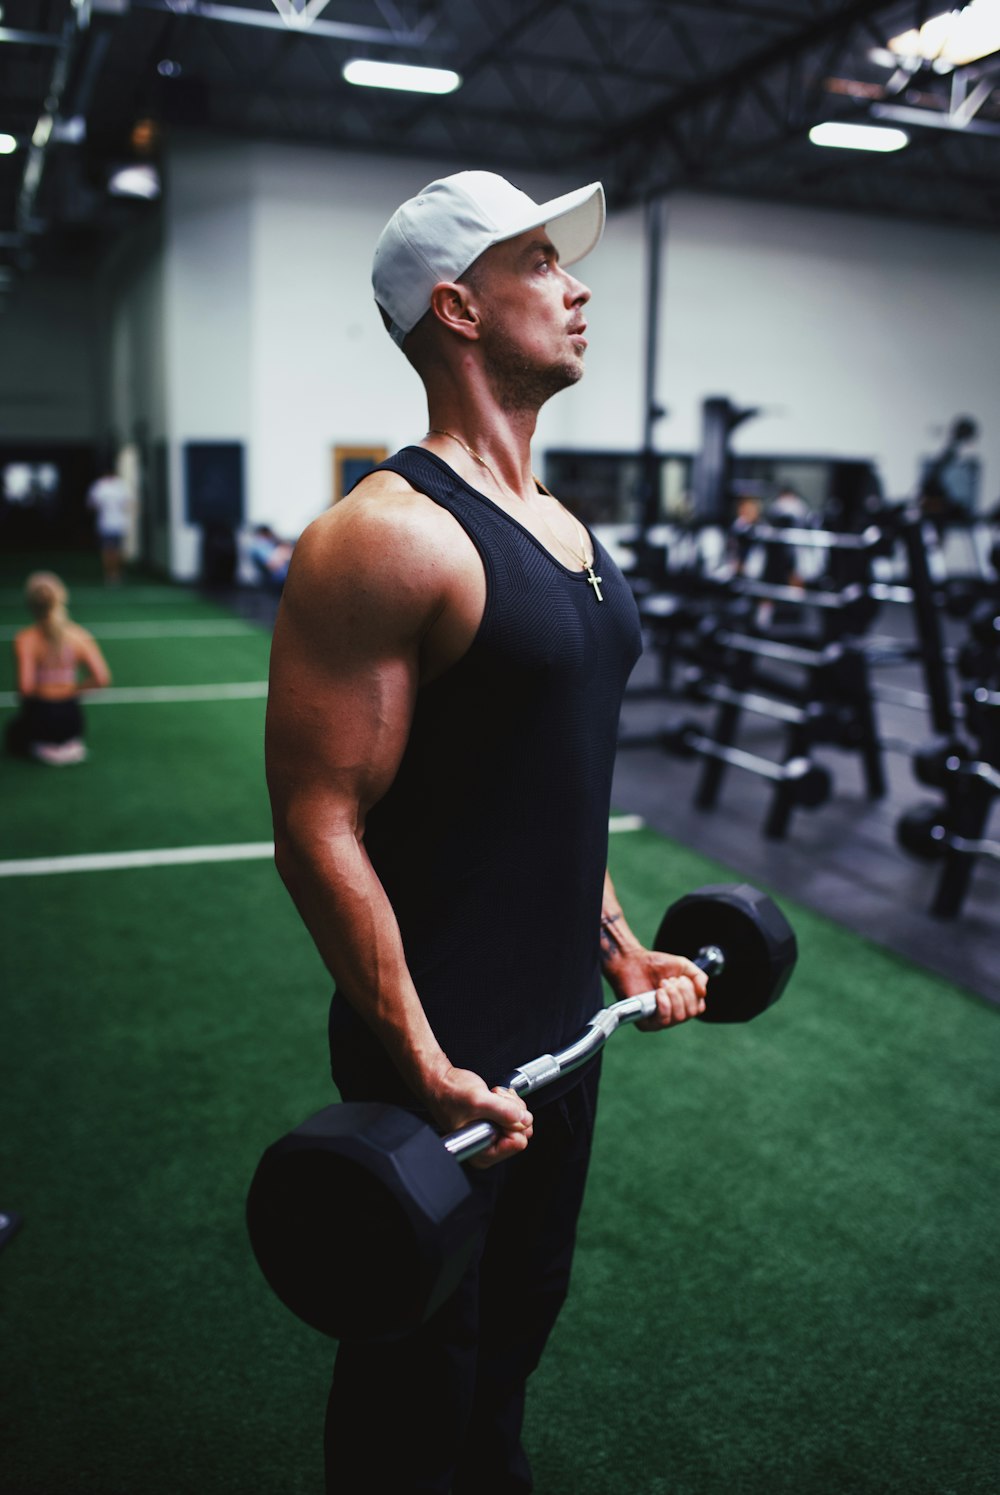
72,131
135,181
8,145
953,39
366,74
844,136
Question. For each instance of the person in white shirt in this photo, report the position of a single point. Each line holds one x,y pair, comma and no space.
111,499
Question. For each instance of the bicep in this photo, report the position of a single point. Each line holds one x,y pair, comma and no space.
337,726
367,583
343,683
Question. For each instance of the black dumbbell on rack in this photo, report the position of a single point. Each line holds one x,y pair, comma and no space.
953,829
799,782
834,677
979,657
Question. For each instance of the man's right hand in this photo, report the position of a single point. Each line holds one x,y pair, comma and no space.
459,1097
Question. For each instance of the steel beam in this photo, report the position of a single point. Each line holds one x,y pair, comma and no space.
270,20
931,119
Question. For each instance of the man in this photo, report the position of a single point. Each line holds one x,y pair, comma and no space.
447,672
111,499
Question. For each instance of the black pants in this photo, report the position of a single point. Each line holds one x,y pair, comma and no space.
40,721
440,1410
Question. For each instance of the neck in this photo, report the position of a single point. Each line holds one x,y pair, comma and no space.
498,447
462,400
505,455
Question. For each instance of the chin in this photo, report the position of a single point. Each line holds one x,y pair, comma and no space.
520,383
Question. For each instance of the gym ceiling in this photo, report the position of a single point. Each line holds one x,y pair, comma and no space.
649,95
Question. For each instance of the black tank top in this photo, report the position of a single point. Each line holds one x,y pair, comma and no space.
492,841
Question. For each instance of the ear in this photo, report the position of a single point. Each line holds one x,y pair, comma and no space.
452,305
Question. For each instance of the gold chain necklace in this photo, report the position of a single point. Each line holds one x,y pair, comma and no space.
578,555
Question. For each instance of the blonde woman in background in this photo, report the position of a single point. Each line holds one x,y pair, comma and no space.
56,660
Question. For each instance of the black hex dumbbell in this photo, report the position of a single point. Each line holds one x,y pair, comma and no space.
360,1218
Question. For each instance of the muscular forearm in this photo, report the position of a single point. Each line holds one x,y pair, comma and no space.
631,968
617,939
344,907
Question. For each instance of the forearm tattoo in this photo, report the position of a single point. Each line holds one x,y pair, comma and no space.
610,943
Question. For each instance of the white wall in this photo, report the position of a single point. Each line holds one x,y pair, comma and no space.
326,372
134,377
210,313
862,336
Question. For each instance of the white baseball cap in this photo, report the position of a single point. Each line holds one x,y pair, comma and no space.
438,234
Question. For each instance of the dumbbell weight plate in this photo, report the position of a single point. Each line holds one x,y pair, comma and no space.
360,1221
915,831
757,940
930,760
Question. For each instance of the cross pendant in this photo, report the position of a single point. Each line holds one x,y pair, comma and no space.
595,582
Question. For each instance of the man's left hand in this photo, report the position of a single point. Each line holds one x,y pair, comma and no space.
679,984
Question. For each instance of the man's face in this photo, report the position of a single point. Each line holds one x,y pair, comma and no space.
533,322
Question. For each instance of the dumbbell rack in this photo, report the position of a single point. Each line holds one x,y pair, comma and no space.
833,695
963,761
822,685
812,680
955,828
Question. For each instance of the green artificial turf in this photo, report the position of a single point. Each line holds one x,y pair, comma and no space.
158,775
786,1274
787,1268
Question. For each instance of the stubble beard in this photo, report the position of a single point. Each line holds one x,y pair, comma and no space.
521,384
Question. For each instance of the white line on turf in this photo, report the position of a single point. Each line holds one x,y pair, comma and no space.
619,823
183,856
117,861
145,695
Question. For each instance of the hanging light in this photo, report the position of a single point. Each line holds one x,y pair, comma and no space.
367,74
955,38
844,136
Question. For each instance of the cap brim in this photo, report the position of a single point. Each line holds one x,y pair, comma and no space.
575,221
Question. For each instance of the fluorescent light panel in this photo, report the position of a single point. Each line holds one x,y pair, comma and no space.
135,181
367,74
955,38
844,136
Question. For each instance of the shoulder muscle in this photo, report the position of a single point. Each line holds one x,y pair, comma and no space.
382,564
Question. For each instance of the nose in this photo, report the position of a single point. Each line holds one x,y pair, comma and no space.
576,293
